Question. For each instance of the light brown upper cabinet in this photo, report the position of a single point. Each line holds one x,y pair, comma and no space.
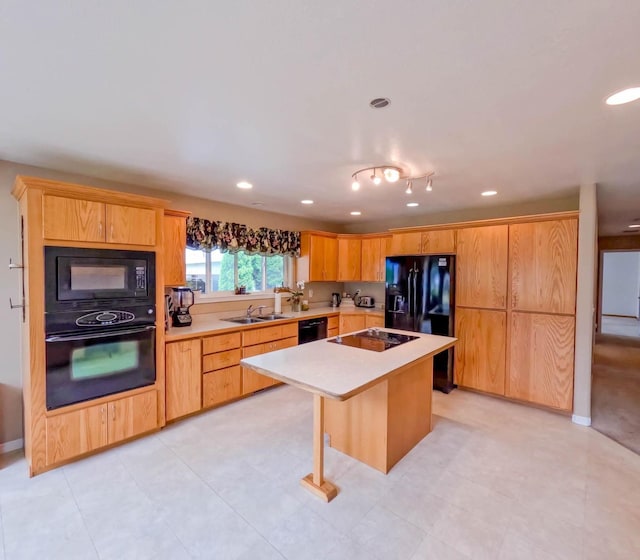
374,253
541,359
409,243
482,254
74,219
318,261
481,349
175,242
349,259
543,257
438,241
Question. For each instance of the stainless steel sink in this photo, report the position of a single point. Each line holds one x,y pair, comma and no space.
243,320
272,317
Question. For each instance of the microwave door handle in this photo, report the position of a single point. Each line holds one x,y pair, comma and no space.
65,338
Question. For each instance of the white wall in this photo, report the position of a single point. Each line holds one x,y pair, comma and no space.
621,283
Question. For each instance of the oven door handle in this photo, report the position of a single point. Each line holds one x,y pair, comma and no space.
65,338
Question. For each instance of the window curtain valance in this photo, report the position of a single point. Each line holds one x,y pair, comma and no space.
228,237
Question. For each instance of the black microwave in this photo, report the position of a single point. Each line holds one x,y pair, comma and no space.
81,278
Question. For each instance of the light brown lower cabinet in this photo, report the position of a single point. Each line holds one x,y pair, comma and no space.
481,349
221,385
74,433
252,381
541,359
373,321
351,323
183,378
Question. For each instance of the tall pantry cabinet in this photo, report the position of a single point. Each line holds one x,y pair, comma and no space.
543,262
515,308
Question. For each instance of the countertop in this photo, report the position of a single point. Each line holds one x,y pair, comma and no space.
340,372
213,323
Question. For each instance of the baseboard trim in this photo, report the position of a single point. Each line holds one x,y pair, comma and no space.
621,316
581,420
9,446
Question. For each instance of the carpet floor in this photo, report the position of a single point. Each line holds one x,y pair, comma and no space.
616,389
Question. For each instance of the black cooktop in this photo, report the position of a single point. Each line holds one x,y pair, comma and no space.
373,339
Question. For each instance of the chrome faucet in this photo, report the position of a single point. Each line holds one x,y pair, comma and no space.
250,309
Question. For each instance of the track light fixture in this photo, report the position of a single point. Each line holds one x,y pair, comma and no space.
409,187
391,174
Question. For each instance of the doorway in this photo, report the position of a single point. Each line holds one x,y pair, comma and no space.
620,293
615,389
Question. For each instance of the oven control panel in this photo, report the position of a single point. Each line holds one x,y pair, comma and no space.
98,318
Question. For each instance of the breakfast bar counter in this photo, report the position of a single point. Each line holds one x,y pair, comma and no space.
375,405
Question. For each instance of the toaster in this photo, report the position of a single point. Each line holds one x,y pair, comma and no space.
366,301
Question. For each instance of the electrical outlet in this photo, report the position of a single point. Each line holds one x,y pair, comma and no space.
310,293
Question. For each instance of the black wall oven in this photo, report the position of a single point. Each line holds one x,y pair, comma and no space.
100,323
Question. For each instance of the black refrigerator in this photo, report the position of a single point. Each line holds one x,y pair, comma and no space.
419,296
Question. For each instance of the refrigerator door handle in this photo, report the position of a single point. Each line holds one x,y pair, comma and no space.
415,300
409,305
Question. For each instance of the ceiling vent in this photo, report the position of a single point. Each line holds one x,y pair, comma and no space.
379,102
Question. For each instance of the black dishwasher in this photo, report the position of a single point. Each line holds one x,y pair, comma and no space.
312,329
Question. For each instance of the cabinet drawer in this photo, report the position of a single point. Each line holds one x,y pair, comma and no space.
220,342
221,360
221,385
267,334
333,323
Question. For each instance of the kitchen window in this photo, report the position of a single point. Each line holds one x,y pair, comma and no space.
217,274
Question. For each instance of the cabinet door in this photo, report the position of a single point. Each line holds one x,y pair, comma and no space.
330,259
482,267
543,258
371,257
74,433
130,226
541,359
406,243
183,378
438,241
481,349
351,323
132,416
252,381
221,386
174,243
316,258
73,219
349,259
373,321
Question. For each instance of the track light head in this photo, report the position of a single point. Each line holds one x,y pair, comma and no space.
409,187
429,185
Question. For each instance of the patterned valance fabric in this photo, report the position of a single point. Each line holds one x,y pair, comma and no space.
228,237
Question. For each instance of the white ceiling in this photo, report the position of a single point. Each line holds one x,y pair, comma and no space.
198,95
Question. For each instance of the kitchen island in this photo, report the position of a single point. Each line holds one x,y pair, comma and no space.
375,405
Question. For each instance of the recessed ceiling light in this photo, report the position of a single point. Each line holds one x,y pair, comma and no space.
356,213
634,226
489,193
306,201
625,96
244,185
412,204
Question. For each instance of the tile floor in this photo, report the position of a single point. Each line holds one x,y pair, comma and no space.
494,480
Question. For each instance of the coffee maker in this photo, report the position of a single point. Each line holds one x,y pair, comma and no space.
183,299
336,298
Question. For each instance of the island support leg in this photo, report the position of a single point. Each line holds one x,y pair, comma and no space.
314,481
